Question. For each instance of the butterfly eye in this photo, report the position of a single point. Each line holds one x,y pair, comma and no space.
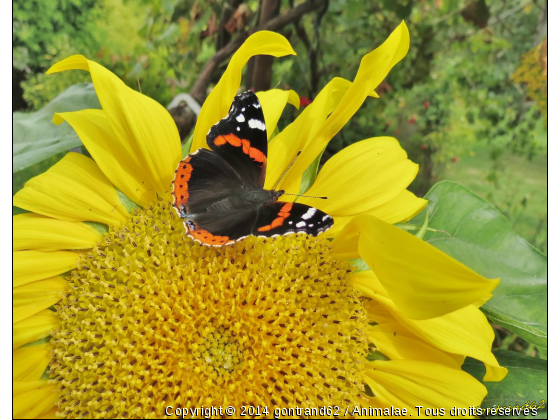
190,224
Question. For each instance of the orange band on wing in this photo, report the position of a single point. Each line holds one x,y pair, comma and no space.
207,238
232,139
283,214
180,183
228,138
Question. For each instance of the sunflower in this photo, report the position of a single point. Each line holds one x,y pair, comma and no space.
118,313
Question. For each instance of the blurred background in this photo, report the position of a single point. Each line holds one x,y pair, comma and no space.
468,103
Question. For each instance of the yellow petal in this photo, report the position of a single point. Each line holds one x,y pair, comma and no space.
30,362
273,102
411,383
397,343
373,69
51,414
117,159
423,281
32,298
465,332
33,399
34,328
399,209
33,231
362,176
74,189
367,283
29,266
345,244
219,101
143,126
285,146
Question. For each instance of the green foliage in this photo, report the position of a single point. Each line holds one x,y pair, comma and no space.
38,143
471,230
46,32
533,72
36,137
43,28
517,189
170,55
525,386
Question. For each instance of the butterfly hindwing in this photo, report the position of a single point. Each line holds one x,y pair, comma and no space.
208,196
221,227
201,180
281,218
240,139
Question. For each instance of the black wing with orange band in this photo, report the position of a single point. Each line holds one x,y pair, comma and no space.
206,193
201,180
240,138
280,218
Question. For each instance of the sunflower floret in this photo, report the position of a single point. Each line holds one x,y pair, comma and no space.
153,319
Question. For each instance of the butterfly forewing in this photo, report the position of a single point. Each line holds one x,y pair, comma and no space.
240,138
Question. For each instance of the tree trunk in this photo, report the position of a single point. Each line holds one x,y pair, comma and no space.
260,76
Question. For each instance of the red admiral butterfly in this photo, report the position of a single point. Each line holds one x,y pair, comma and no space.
220,194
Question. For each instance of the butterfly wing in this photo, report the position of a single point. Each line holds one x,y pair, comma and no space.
280,218
207,194
240,139
201,180
221,227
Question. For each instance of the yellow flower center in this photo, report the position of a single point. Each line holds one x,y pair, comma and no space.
155,320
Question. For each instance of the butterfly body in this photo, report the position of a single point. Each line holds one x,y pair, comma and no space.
220,192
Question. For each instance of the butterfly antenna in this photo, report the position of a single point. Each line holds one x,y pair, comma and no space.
139,88
287,169
307,196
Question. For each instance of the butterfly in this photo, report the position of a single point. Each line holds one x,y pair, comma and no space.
220,192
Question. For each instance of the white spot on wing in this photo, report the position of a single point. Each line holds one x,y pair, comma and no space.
238,128
290,222
257,124
257,105
309,214
243,109
326,217
300,224
240,118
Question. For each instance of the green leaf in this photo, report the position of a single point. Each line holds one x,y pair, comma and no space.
186,148
525,385
100,227
310,175
358,265
36,137
128,204
478,235
422,231
21,177
376,355
39,341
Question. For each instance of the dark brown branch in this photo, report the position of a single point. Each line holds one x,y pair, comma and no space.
198,90
262,70
227,12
